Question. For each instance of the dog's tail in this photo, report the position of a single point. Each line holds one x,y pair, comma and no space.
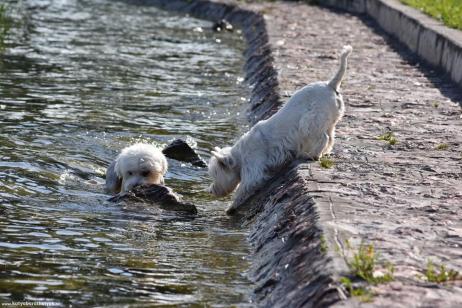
334,83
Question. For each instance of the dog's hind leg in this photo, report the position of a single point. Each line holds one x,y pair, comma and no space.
314,141
314,146
330,143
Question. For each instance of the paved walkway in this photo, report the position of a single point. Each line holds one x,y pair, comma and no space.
404,198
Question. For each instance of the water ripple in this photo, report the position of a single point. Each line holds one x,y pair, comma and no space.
81,80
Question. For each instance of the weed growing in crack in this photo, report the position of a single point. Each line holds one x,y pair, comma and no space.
363,294
442,146
323,244
388,137
432,274
363,266
326,162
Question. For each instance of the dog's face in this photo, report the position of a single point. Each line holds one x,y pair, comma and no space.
140,164
224,171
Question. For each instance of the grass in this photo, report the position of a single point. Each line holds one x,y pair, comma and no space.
388,137
363,294
326,162
439,276
447,11
323,245
363,266
5,25
442,146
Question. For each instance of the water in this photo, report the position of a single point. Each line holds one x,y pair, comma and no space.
80,81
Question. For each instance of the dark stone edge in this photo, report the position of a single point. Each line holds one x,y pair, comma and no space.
295,263
432,41
290,265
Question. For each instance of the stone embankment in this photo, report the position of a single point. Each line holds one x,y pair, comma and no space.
403,194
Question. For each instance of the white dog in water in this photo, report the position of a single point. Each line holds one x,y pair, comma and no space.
303,128
136,165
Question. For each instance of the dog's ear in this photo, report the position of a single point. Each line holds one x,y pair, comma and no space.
217,154
226,161
113,181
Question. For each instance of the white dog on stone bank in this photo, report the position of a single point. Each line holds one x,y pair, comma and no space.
303,128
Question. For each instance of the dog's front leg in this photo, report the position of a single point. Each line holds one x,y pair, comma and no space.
315,145
241,195
251,180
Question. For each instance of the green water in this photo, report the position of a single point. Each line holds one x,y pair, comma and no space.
79,81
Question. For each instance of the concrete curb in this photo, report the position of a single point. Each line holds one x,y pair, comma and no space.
291,265
433,42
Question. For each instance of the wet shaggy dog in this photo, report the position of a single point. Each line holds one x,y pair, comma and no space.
136,165
303,128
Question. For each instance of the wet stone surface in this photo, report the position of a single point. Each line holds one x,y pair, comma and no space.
180,150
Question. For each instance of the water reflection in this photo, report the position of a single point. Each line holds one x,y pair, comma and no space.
81,80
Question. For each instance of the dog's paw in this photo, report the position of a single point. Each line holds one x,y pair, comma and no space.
232,209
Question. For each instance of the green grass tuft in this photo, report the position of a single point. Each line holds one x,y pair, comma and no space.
442,146
443,275
363,265
363,294
323,245
447,11
388,137
326,162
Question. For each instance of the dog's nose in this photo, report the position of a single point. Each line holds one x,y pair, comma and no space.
132,185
